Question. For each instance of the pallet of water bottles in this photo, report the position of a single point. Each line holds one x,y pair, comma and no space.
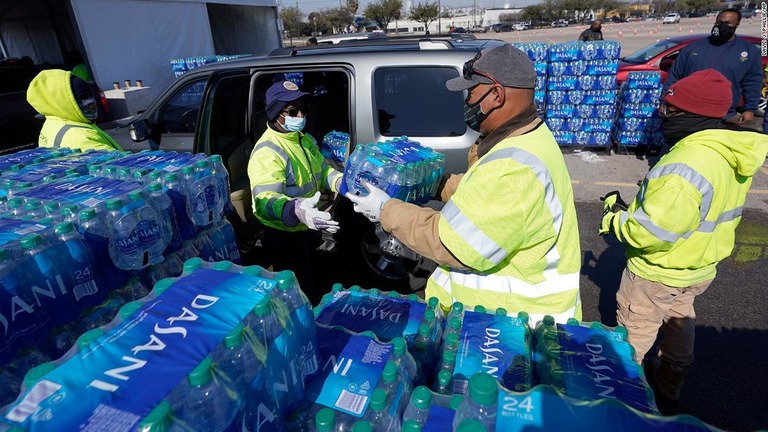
402,168
181,65
222,347
538,52
466,366
638,122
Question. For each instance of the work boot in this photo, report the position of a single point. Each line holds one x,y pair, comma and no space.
666,379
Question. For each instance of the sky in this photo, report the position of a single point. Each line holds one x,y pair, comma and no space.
307,6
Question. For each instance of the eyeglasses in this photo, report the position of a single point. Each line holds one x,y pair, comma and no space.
469,70
666,112
293,111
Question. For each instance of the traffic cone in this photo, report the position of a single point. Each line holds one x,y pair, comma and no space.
635,32
620,34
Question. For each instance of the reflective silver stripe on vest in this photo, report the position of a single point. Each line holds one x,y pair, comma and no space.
278,187
271,210
298,191
477,239
275,148
702,185
60,134
333,178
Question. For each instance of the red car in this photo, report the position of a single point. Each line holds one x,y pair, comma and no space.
659,56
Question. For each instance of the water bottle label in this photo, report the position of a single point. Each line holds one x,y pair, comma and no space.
14,229
386,317
440,419
137,363
351,368
496,345
143,235
597,363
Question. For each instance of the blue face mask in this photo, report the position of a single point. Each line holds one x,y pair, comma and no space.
294,124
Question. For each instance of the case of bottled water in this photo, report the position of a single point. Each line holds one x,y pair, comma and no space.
334,146
26,157
538,52
638,123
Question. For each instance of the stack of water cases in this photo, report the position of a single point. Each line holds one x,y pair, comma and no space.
334,146
77,247
181,65
581,92
220,348
404,169
538,52
638,123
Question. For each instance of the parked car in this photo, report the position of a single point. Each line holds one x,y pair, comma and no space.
671,18
478,29
374,90
748,13
499,28
560,23
712,13
459,30
659,56
617,19
519,26
651,18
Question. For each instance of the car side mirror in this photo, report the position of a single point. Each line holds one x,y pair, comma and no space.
666,64
139,130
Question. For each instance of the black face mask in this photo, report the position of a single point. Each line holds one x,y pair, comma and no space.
474,115
722,33
680,126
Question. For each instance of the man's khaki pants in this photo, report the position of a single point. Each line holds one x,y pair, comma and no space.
645,306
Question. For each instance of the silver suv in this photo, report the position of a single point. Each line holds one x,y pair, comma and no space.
374,90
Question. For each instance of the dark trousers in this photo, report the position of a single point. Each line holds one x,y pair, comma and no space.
295,251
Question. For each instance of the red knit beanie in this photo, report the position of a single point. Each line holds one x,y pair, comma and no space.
706,92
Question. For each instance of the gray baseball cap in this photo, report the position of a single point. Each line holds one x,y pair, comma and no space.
506,64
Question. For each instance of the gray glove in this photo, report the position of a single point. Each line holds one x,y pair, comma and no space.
309,215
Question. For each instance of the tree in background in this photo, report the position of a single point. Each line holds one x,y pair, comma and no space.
534,14
292,22
339,18
425,13
353,6
383,12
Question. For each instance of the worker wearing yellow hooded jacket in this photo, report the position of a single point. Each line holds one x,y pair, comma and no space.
507,235
70,107
681,224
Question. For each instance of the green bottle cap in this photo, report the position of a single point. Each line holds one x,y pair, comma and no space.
362,426
483,389
501,312
398,345
51,208
128,309
223,265
170,177
429,316
3,254
31,241
215,158
89,337
455,323
457,307
64,228
456,401
155,187
114,204
523,316
425,330
622,331
373,292
201,375
88,214
390,372
136,195
421,398
193,264
32,205
378,399
285,279
263,307
201,164
337,287
393,294
444,378
159,420
471,425
548,320
253,270
449,358
325,420
452,341
235,338
37,373
480,309
355,288
162,285
413,297
124,172
575,322
433,302
188,170
410,425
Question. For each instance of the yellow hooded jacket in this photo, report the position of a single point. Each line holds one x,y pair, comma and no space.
683,220
50,93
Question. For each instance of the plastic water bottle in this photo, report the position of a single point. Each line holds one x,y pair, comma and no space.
472,425
222,182
201,195
418,406
177,193
201,403
97,235
137,238
159,419
325,421
404,360
14,289
263,326
350,173
89,337
362,426
34,209
481,402
395,386
377,413
424,350
37,373
162,202
457,309
237,361
228,240
81,267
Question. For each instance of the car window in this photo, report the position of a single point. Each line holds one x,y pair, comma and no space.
649,52
179,113
415,102
229,112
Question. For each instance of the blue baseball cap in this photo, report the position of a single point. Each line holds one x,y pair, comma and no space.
278,96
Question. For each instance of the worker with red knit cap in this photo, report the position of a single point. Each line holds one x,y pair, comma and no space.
680,225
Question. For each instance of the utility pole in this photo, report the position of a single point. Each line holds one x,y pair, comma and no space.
474,13
439,15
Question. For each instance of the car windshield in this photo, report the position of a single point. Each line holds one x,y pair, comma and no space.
649,52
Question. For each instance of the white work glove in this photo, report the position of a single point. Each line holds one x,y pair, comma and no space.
309,215
370,205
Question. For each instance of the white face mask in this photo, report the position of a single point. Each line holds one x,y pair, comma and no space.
294,124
